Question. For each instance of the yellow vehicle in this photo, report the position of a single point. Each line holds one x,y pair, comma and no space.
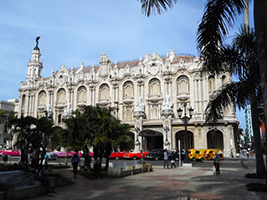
192,154
200,154
211,153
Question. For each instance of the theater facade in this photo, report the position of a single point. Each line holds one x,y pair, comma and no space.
146,93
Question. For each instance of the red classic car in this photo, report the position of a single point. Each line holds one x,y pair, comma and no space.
10,152
117,155
73,152
134,155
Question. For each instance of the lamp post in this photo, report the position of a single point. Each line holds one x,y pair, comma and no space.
185,120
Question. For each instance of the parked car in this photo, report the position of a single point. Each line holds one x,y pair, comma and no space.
10,153
156,154
117,155
60,154
134,155
200,154
51,155
211,153
192,154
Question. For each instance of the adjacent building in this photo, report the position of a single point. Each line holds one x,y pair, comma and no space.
249,129
146,94
6,135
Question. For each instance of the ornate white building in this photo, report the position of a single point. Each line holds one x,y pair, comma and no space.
146,94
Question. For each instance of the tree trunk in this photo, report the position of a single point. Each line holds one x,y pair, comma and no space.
87,159
260,16
260,168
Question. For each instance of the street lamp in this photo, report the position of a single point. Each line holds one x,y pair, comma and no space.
185,120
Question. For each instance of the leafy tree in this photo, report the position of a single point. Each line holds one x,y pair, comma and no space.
23,128
95,127
78,134
32,133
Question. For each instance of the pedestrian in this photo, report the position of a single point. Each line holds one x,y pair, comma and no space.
173,156
251,153
216,163
46,161
75,159
247,153
166,159
142,158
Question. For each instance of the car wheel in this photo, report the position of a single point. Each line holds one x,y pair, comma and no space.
117,158
156,158
134,158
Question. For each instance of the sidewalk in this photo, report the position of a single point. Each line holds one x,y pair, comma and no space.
178,183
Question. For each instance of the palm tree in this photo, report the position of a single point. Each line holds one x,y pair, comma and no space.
218,16
109,134
24,128
78,134
95,127
242,57
42,134
213,29
156,6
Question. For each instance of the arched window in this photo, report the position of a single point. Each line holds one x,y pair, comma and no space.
42,98
82,94
215,140
154,87
183,84
61,95
128,89
104,92
127,113
154,111
23,101
211,83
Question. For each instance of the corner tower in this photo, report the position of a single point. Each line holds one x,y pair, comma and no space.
35,66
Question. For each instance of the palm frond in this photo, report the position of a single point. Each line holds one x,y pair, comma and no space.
156,6
218,16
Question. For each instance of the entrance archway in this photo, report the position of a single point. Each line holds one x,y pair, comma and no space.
151,139
215,139
181,136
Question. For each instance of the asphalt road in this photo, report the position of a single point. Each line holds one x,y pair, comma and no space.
226,163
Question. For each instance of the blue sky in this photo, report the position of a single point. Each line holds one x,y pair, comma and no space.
79,31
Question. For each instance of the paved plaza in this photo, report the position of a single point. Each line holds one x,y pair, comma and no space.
179,183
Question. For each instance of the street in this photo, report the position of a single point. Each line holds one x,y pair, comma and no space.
244,163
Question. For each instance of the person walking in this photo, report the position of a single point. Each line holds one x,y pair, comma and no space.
142,158
173,156
166,159
216,163
75,159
